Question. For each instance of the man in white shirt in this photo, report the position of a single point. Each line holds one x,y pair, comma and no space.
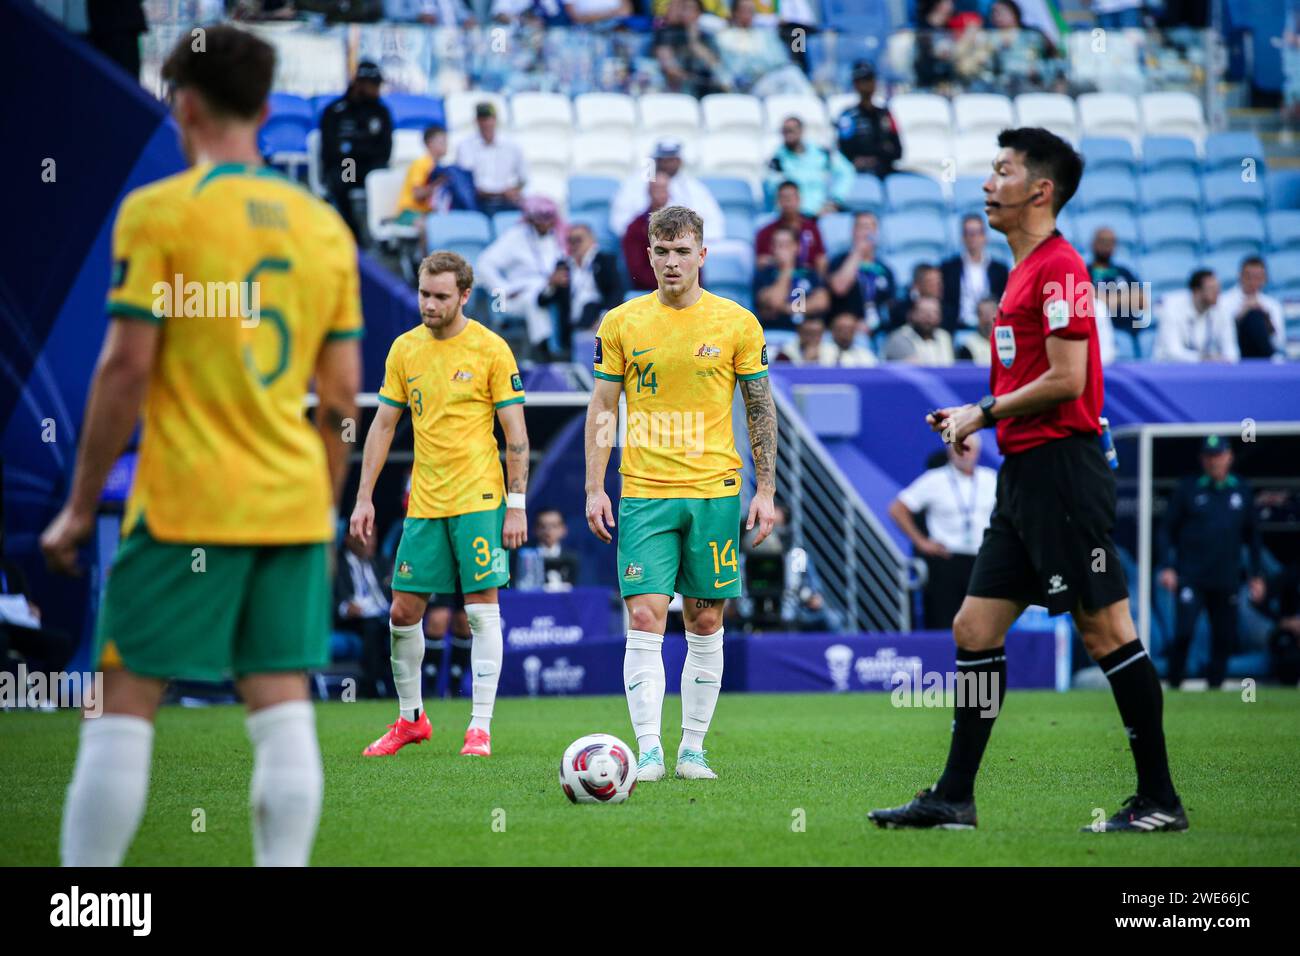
683,190
921,341
497,164
970,276
521,267
809,346
1261,325
842,350
957,500
1192,325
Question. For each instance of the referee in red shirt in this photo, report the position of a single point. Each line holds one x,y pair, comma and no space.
1049,539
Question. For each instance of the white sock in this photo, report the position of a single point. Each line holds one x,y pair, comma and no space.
643,681
407,643
106,797
701,682
484,661
287,783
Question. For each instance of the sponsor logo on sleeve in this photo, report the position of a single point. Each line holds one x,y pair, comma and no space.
600,351
1058,314
119,272
762,359
517,382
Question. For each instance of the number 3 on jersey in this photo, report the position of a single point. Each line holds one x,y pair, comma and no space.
645,377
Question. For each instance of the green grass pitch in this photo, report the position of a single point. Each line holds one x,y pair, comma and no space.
798,773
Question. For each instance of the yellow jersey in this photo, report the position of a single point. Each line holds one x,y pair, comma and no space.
453,388
416,175
679,369
247,274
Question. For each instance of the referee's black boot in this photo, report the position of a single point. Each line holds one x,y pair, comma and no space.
927,810
1141,814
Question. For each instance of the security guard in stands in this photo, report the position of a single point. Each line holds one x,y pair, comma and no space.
358,127
867,135
1210,517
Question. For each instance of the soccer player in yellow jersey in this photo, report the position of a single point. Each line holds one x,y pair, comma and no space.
233,288
678,354
454,374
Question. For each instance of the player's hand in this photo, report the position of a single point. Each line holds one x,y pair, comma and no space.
68,531
1169,579
514,532
956,424
362,523
600,513
762,510
933,549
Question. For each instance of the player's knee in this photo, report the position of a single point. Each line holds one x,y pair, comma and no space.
706,621
642,618
971,634
405,612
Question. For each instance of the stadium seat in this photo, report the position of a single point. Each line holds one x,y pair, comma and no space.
546,182
1108,154
739,225
314,182
1107,193
1173,114
408,145
926,153
1125,349
599,225
1226,190
1284,273
1170,154
412,111
1283,188
591,193
921,113
1234,230
731,276
1109,114
810,109
837,104
318,104
545,150
1225,263
906,192
503,220
917,232
459,108
1053,111
986,113
732,112
1124,225
542,113
968,194
1166,272
289,104
602,154
1174,231
283,138
865,195
1228,151
610,114
853,18
974,154
732,154
1283,228
732,194
670,114
837,232
903,264
383,186
460,231
1168,191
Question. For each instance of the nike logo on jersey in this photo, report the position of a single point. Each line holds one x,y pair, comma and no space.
723,584
412,379
635,353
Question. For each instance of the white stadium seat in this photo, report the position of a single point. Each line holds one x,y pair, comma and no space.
1173,114
1110,114
383,187
982,113
545,150
600,154
925,113
1052,111
408,145
459,108
732,154
645,143
606,112
551,112
550,184
839,103
927,152
810,109
732,112
670,114
975,152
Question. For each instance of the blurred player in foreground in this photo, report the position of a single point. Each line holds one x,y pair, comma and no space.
223,566
1049,538
454,374
679,353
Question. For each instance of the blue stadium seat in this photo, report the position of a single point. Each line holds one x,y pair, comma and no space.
739,225
1111,192
866,195
503,220
1283,189
591,194
968,194
599,225
904,264
857,19
1125,348
1226,190
1234,230
1167,191
837,232
1170,154
908,192
318,104
1105,154
1227,151
1165,271
460,231
1225,263
412,111
1283,227
1126,232
1174,231
1284,273
289,104
732,194
727,268
285,134
919,232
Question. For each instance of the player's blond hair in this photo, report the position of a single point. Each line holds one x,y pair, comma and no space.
436,263
673,221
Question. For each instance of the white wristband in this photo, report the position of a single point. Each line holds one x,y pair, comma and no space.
515,499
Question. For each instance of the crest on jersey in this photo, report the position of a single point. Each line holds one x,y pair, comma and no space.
1004,336
634,572
1058,314
462,375
404,569
708,351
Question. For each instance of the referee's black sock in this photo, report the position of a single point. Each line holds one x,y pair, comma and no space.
1136,687
981,676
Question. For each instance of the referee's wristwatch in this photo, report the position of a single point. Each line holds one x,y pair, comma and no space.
986,409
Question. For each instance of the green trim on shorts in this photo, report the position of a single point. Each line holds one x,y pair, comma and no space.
442,555
684,545
388,401
607,377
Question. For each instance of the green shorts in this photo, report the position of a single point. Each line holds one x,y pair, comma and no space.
434,552
686,545
210,612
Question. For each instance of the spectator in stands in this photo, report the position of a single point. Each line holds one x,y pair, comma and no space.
636,238
978,348
361,605
935,47
798,591
522,270
797,20
1261,326
921,341
1020,57
844,350
858,282
496,164
22,633
431,186
749,52
1116,288
446,13
783,289
356,137
824,177
591,13
957,501
1281,605
1193,326
561,565
687,55
927,280
811,252
970,276
259,10
683,190
809,346
586,285
1210,519
867,134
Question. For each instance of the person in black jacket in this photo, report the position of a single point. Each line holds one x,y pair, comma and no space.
587,285
358,127
969,276
361,605
867,134
1210,517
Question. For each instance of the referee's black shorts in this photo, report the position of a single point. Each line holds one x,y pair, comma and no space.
1049,538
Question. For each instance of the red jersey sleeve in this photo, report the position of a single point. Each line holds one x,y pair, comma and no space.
1066,297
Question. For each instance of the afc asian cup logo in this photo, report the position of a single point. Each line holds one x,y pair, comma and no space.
533,674
839,660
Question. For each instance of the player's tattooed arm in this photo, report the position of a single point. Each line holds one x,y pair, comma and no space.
512,423
760,412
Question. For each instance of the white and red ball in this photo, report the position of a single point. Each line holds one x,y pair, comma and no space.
598,768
